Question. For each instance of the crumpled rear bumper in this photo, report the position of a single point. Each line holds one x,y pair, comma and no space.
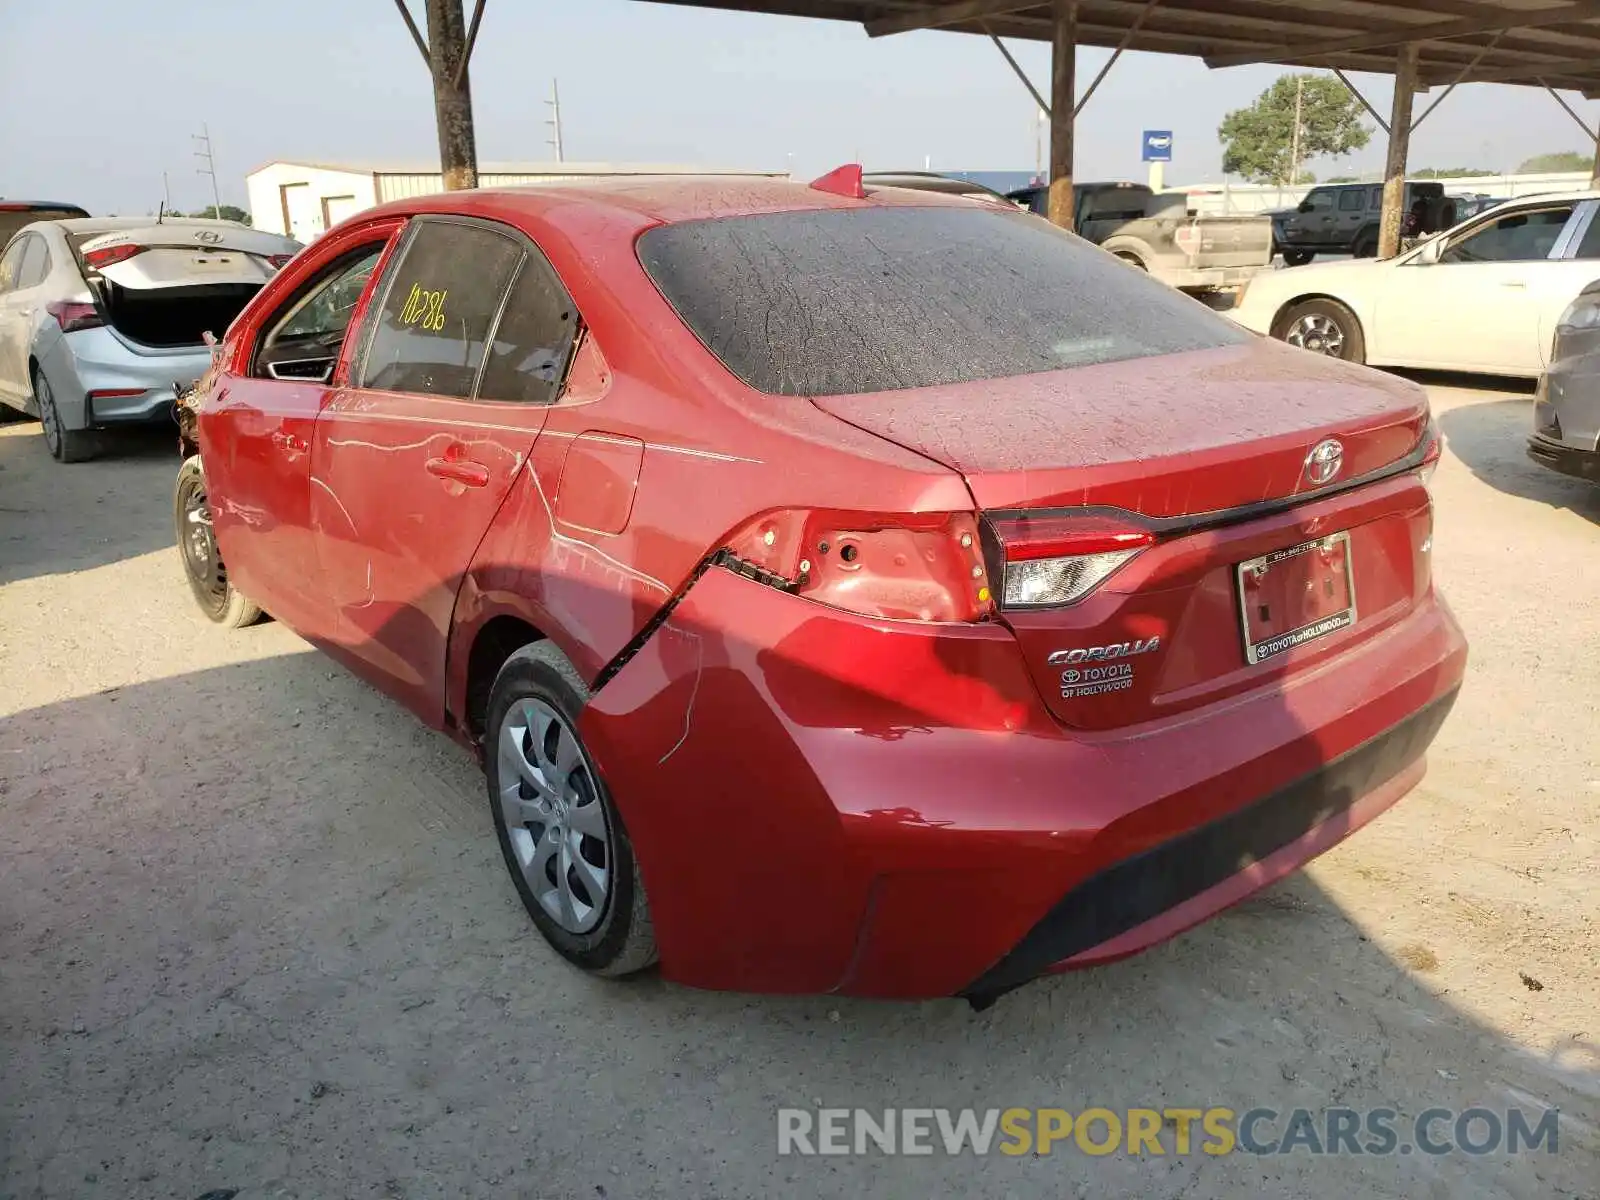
823,802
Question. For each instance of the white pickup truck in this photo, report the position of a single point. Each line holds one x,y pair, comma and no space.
1157,233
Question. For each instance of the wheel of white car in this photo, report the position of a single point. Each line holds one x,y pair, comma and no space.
1323,327
197,547
65,445
562,837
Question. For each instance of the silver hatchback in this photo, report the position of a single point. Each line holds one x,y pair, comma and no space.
101,316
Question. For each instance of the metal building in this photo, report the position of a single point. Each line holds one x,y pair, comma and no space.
304,200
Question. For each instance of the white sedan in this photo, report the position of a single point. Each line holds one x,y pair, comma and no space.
1484,296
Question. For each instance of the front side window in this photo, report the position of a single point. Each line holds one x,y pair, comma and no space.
829,302
1516,237
305,340
440,305
11,264
35,262
1320,200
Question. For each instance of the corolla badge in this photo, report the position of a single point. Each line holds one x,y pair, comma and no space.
1325,461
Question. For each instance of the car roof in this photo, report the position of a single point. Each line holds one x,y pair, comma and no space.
641,201
7,204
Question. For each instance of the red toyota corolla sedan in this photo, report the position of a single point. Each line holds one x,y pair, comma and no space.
864,591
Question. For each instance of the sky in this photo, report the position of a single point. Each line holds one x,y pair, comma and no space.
102,96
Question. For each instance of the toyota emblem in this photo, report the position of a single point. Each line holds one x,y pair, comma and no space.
1324,461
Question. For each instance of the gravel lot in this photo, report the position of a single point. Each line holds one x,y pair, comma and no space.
255,933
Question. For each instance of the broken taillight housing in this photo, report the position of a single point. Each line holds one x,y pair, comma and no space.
910,567
278,261
1051,559
74,314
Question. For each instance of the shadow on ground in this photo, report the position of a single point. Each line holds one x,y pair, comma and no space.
1491,438
122,501
257,935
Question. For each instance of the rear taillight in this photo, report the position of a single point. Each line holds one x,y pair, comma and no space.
908,567
1047,560
105,256
1432,449
71,314
278,261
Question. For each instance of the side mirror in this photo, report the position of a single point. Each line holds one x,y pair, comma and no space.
1305,206
1430,252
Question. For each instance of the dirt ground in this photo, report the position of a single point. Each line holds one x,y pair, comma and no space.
255,933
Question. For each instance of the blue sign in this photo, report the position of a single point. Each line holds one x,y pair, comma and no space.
1158,145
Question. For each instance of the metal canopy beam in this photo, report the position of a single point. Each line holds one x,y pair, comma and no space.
1394,169
949,14
1462,27
1365,103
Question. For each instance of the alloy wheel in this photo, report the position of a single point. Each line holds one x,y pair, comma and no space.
1317,333
557,825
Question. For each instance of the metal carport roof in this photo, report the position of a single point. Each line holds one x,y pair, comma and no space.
1539,42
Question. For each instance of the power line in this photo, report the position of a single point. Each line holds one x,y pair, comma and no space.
205,155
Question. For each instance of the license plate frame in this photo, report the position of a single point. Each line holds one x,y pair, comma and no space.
1265,649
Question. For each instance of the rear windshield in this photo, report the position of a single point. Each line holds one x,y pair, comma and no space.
824,303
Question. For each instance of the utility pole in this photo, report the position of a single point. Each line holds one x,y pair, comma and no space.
166,193
1294,145
204,154
447,51
554,120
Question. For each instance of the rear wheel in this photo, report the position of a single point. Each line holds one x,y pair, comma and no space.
1297,258
562,837
202,561
1366,245
65,445
1133,260
1323,327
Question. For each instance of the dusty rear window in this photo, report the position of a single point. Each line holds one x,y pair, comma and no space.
823,303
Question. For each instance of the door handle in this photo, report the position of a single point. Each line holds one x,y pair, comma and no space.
288,441
458,470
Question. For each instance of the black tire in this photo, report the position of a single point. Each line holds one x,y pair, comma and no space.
1133,260
65,445
197,550
1351,345
1297,258
622,939
1366,245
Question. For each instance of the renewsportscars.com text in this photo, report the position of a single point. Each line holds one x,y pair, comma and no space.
1163,1131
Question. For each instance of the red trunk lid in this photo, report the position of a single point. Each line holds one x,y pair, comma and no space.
1171,439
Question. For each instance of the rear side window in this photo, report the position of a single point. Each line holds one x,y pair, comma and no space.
441,303
1351,200
528,356
835,302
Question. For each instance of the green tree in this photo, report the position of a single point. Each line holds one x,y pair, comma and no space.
228,212
1259,141
1450,172
1561,160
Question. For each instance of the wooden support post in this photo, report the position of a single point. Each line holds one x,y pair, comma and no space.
1394,173
452,93
1063,97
